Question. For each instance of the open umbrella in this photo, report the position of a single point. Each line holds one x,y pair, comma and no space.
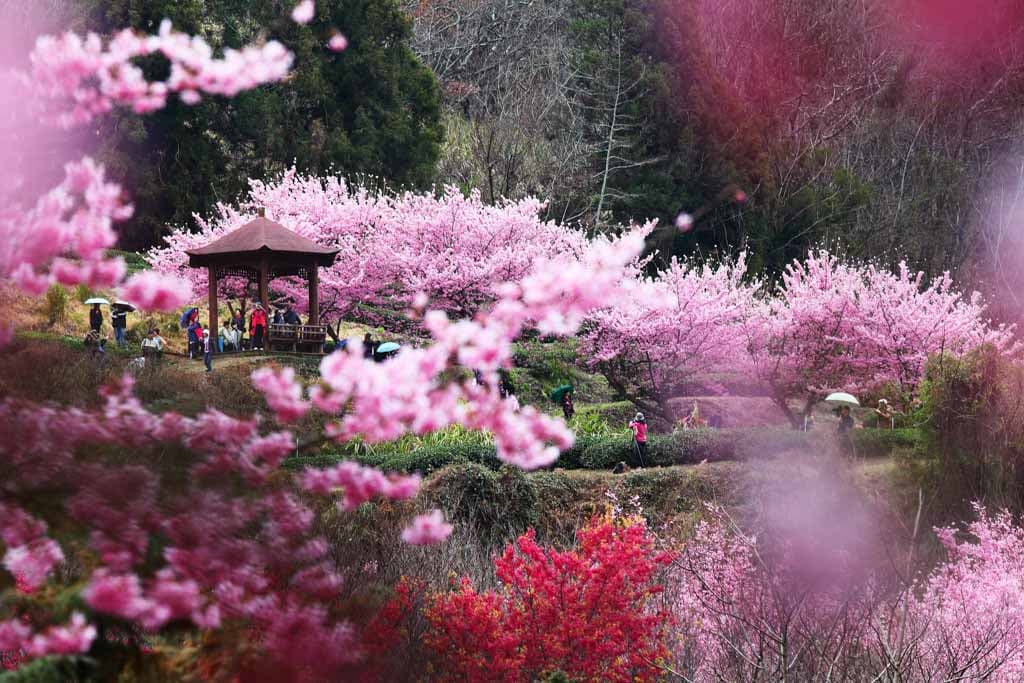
124,306
388,347
840,398
183,323
97,300
558,393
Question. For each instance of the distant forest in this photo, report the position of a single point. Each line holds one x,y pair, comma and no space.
887,130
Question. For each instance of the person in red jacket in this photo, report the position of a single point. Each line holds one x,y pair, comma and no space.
639,427
258,327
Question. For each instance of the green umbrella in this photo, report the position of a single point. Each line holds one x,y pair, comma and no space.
558,393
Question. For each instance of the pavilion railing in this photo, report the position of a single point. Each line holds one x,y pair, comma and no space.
296,338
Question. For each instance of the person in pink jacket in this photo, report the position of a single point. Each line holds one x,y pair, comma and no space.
639,427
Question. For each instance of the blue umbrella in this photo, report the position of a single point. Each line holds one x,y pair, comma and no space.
387,347
183,323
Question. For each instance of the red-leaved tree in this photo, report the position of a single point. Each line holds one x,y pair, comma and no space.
589,612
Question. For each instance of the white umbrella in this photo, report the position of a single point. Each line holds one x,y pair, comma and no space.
125,305
97,300
840,398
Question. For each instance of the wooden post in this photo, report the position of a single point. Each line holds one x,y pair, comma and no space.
265,286
265,299
314,296
213,308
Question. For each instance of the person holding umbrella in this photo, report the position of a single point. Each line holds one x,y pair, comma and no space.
639,427
195,339
844,402
95,314
119,321
568,409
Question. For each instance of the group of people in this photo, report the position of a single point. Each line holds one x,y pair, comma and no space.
884,416
118,321
231,335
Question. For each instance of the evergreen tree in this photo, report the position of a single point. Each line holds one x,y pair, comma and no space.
371,109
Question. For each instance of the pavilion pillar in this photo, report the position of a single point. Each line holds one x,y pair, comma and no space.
314,296
265,286
213,307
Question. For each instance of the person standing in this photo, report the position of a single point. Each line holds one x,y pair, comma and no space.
845,421
95,318
568,409
639,427
291,317
153,344
194,338
369,346
884,414
119,321
238,326
258,327
207,351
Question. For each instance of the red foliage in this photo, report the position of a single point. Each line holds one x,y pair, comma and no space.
586,612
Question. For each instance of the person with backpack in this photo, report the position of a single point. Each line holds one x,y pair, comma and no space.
639,427
258,327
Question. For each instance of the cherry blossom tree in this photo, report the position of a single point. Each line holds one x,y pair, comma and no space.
746,611
840,326
233,545
451,247
675,330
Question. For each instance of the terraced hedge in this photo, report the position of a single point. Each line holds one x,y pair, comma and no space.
678,448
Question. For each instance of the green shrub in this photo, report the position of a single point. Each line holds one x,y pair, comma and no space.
881,442
429,459
497,505
82,293
56,303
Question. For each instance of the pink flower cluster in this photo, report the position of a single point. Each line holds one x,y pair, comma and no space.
77,79
744,607
76,637
427,529
454,249
152,291
359,484
75,217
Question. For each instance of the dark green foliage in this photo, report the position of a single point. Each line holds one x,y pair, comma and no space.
603,452
372,109
973,431
49,670
430,459
497,505
881,442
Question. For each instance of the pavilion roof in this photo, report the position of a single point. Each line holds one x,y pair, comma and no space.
259,238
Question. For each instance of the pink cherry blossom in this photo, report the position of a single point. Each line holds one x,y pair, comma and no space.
338,42
684,222
77,79
303,12
427,529
282,391
152,291
74,638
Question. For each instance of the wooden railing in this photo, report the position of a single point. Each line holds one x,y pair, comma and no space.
296,338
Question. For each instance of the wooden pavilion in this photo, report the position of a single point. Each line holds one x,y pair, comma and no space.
260,251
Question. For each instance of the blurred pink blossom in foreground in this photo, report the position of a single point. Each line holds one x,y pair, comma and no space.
427,529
